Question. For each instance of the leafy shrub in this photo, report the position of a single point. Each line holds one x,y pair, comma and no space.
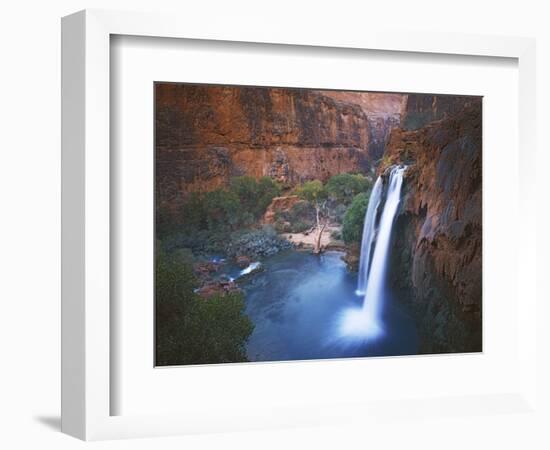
190,329
254,196
352,227
312,191
222,209
218,211
299,227
246,190
345,186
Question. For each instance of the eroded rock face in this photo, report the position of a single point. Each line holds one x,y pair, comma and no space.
421,109
380,128
383,110
207,134
438,231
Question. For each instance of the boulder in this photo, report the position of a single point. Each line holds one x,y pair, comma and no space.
242,261
220,287
206,268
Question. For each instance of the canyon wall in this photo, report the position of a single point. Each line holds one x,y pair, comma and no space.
204,135
438,232
421,109
380,128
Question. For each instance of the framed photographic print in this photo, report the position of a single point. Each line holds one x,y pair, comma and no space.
248,246
297,224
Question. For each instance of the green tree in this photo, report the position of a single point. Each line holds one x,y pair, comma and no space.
268,189
352,227
246,189
345,186
312,191
190,329
222,209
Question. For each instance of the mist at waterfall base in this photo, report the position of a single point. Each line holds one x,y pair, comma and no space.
306,306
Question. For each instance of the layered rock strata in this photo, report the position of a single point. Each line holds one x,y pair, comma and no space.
204,135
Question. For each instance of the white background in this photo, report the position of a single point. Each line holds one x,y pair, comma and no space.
30,137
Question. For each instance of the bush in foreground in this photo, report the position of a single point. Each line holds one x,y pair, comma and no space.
190,329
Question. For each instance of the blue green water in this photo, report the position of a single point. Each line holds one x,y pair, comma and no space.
297,304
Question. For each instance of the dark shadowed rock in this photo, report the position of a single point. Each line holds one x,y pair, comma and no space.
242,261
438,235
422,109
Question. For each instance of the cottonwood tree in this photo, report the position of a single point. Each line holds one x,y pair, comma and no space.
315,193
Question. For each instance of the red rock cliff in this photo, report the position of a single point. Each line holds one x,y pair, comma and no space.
207,134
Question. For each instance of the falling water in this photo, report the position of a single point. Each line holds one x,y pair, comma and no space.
365,322
368,237
375,285
253,266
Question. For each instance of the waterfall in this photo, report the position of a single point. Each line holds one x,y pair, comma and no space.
366,322
368,237
377,274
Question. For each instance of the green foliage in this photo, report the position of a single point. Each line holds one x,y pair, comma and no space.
254,196
190,329
299,227
206,221
312,191
221,208
345,186
268,189
302,212
352,227
246,189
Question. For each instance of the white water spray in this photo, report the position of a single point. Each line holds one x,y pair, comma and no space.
249,269
368,237
366,322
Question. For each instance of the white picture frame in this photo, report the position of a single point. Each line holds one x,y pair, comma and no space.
86,326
